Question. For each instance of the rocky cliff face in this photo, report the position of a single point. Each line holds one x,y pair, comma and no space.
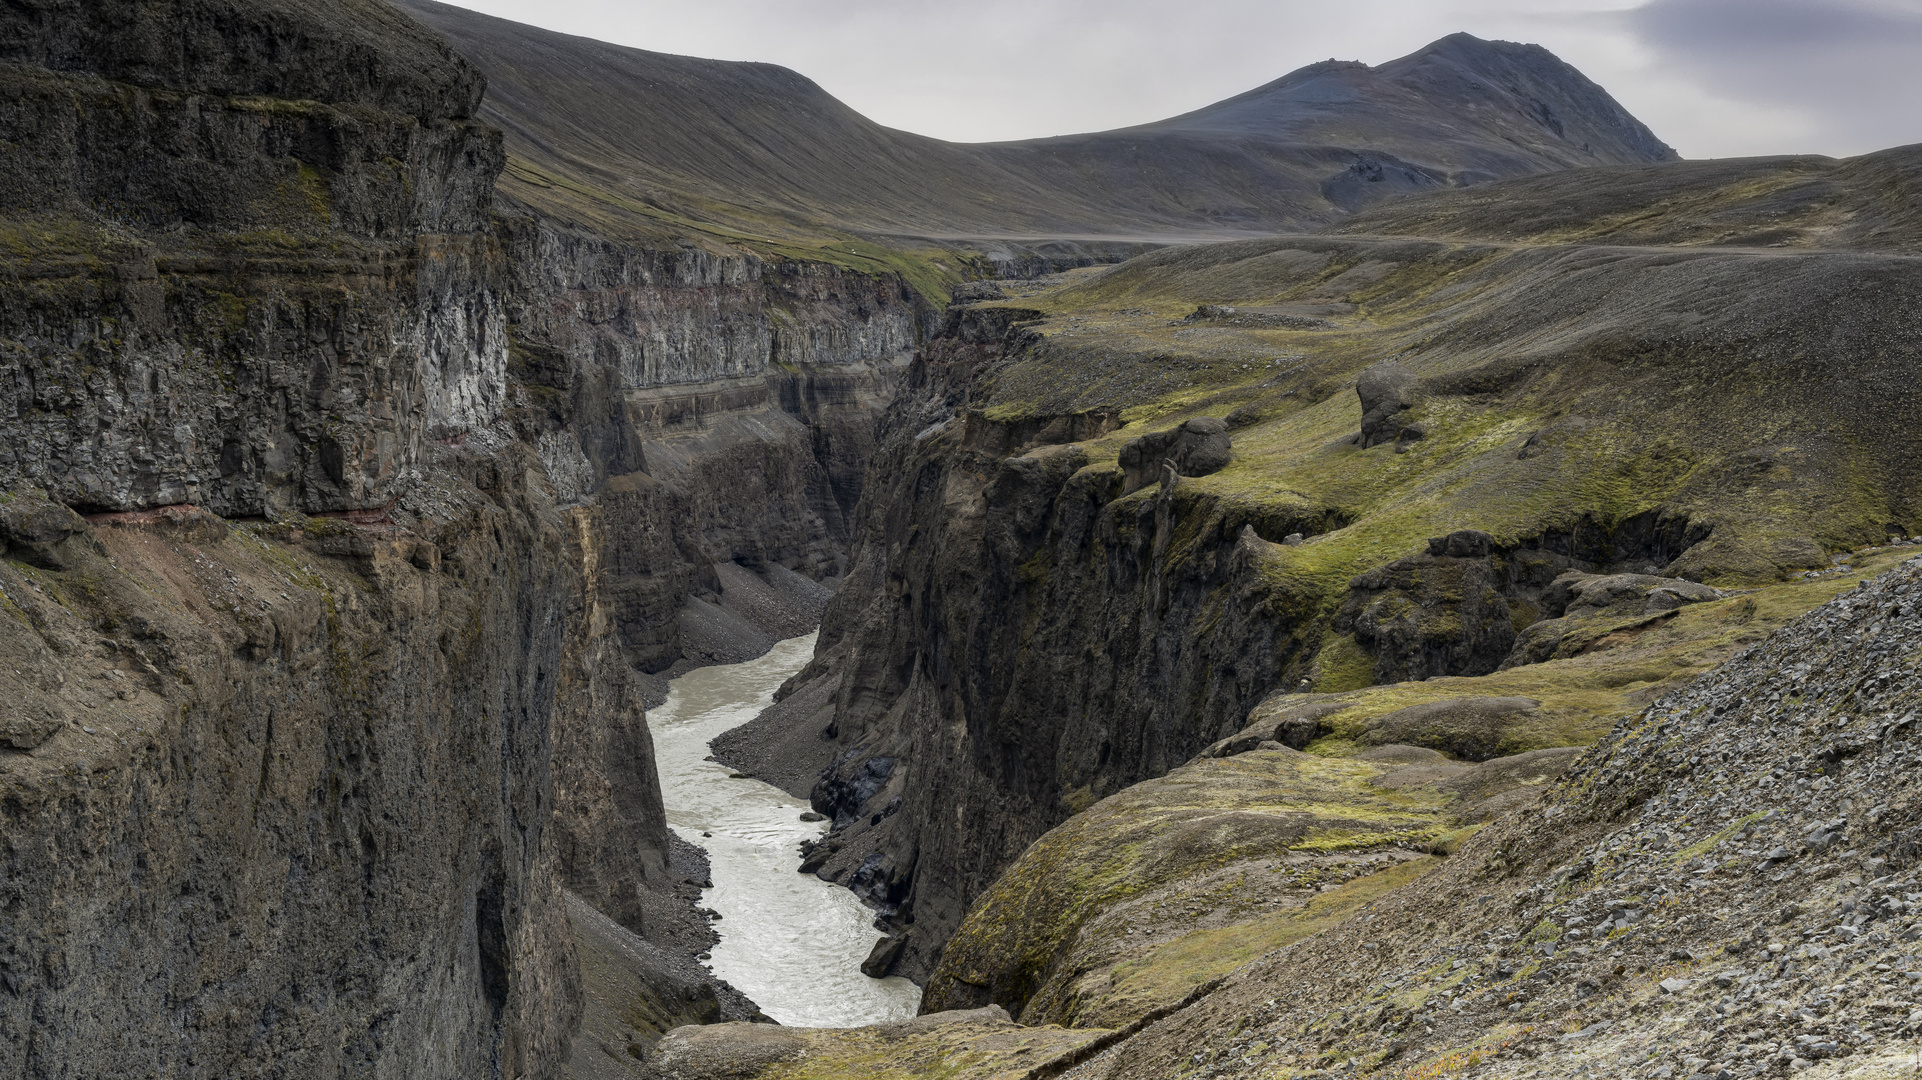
720,408
275,793
280,802
395,496
253,304
1013,616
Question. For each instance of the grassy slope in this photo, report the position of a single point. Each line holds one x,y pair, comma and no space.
1697,385
1862,203
1696,382
1203,816
1057,923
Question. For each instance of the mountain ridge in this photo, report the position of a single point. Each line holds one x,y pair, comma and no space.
660,144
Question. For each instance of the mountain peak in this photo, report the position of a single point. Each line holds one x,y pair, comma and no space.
1459,88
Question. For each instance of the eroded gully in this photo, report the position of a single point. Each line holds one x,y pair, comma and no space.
790,941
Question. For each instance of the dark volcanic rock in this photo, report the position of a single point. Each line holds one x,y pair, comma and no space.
1282,719
726,478
1472,728
1196,448
882,958
362,740
338,52
1455,609
1105,683
1387,390
1757,826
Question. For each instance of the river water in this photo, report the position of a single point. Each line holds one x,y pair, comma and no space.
790,941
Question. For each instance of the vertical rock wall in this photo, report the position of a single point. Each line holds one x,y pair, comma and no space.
1016,639
721,411
276,775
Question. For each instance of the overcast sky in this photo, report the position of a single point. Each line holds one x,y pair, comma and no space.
1714,78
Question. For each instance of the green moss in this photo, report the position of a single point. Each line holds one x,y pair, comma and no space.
1170,971
965,1050
1204,815
1703,847
313,187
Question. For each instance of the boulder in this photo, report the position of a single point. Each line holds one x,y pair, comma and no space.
1471,728
32,529
1462,544
881,958
1285,726
22,732
1196,448
1387,390
1576,594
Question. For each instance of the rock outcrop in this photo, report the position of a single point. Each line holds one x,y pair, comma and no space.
283,801
1197,447
1387,391
1064,626
719,409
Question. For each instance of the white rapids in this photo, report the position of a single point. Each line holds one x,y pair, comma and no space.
790,941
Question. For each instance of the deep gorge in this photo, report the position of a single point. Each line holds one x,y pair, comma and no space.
1213,552
398,501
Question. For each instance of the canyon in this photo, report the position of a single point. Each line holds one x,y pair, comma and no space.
1233,540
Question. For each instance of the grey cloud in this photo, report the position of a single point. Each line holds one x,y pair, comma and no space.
1740,27
1852,65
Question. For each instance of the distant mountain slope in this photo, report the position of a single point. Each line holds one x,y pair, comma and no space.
624,138
1461,102
1871,202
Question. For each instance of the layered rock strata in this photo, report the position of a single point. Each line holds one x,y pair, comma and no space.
283,806
719,409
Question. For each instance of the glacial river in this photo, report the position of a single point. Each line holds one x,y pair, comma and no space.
790,941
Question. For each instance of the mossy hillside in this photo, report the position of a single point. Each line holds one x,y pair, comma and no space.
1664,415
1627,662
1624,439
1467,473
1069,883
929,269
1799,202
1204,815
958,1046
1107,997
